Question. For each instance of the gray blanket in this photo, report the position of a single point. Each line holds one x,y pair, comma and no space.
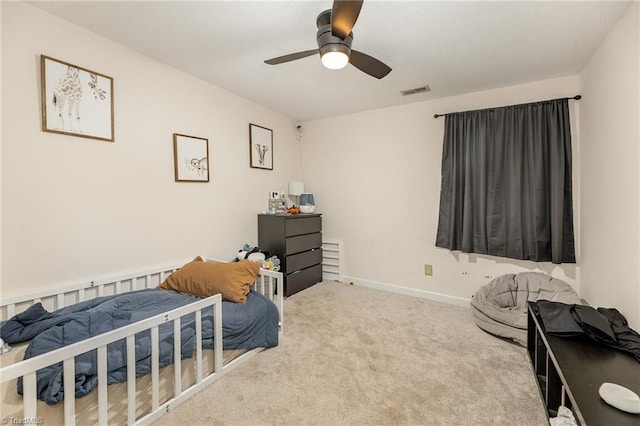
245,326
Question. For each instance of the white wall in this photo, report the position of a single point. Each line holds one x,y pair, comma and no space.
610,160
0,145
376,178
76,208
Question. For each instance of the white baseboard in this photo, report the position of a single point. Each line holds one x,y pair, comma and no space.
407,291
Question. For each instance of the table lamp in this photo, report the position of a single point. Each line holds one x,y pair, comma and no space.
296,189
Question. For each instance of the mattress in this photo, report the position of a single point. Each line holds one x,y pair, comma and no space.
87,406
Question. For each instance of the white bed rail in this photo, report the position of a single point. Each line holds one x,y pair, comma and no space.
28,368
57,297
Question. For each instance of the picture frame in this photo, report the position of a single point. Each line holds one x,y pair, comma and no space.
190,158
76,101
260,147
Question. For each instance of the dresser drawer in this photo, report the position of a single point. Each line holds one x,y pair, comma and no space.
302,279
304,260
302,243
302,225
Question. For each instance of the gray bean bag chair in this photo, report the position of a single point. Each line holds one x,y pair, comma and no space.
500,307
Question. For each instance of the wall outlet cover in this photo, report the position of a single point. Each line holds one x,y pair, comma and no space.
428,269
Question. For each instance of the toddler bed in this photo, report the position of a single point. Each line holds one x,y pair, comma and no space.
85,354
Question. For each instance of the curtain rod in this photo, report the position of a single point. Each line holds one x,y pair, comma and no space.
576,98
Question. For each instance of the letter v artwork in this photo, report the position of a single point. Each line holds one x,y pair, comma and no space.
260,147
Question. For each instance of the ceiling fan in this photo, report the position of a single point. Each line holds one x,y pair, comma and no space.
334,38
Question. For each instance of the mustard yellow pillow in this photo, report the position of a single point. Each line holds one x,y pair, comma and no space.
204,279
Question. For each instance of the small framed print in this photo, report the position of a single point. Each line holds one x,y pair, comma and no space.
260,147
76,101
191,158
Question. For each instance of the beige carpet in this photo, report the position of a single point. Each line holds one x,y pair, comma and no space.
356,356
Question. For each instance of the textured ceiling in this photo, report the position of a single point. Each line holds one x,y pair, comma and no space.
454,47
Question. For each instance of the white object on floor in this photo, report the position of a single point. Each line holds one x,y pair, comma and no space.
564,418
620,397
4,347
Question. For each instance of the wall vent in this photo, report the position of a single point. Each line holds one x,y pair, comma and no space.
332,260
416,90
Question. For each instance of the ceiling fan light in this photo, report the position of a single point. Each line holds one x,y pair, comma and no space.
335,60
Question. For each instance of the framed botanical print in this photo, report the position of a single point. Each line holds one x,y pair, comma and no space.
260,147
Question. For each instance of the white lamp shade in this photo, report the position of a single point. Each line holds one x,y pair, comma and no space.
296,188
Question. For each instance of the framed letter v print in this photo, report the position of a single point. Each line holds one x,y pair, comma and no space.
190,158
260,147
76,101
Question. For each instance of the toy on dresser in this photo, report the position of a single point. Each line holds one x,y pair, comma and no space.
254,254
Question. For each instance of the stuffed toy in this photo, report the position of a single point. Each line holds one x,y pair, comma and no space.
251,253
254,254
271,264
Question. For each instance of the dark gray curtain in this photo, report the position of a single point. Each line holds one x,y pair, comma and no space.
506,182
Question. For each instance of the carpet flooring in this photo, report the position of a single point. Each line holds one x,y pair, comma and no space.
356,356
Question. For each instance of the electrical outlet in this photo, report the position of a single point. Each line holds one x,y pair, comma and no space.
428,269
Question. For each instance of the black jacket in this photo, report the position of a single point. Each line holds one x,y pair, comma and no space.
603,325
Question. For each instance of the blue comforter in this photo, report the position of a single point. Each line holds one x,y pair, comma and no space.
245,326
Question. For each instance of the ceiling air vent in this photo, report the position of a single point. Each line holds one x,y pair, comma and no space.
416,90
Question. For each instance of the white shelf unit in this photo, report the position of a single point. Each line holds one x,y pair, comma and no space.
332,260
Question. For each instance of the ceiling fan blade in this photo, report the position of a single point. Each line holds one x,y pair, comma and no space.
290,57
343,16
369,64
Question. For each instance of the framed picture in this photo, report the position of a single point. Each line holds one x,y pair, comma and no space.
190,158
260,147
76,101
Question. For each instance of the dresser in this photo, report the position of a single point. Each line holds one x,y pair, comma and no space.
297,241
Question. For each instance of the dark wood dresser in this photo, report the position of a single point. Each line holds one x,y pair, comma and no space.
297,241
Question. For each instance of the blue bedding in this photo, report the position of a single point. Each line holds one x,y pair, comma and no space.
245,326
